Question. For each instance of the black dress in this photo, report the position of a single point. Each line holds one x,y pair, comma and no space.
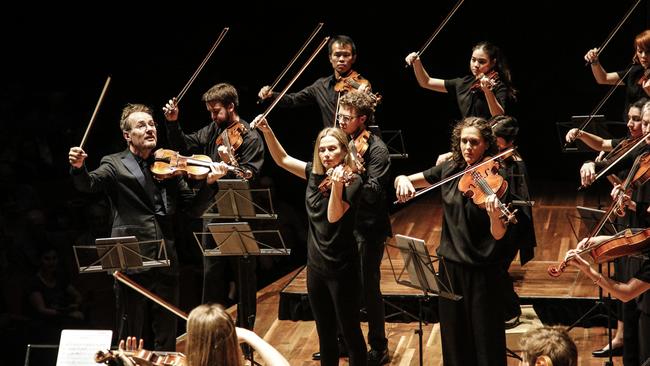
333,283
471,329
472,103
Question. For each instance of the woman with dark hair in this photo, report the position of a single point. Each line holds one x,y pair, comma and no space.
472,247
485,93
333,273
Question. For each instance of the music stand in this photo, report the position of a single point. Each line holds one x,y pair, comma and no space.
236,200
236,239
120,254
418,264
394,140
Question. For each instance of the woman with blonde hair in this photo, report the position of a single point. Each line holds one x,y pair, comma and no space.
213,340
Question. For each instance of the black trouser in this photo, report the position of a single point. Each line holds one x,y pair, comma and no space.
472,329
644,336
371,252
511,304
334,303
140,317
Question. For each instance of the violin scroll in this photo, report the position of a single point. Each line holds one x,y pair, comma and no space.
354,81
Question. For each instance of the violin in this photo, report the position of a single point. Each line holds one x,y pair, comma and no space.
232,138
478,184
169,163
639,174
492,76
622,244
358,148
326,185
144,358
233,135
353,81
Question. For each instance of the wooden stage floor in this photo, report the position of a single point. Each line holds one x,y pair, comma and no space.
554,216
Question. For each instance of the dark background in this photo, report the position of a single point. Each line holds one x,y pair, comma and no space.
56,59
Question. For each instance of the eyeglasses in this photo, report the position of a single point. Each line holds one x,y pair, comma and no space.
345,118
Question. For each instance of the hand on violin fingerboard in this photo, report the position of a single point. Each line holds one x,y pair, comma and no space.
171,110
76,157
223,154
217,171
131,344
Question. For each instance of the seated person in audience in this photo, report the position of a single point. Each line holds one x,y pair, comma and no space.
548,346
54,302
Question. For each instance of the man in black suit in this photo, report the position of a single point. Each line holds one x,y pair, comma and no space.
143,207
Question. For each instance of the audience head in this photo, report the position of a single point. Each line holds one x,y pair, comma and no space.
211,337
548,346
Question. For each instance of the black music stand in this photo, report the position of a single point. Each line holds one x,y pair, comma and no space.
394,140
418,265
120,254
236,239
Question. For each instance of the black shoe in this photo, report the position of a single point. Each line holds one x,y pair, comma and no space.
616,351
512,323
342,353
376,358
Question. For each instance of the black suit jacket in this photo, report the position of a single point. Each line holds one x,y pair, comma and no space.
120,177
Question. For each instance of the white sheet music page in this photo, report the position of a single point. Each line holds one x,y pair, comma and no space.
79,346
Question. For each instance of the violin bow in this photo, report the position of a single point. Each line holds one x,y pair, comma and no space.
601,103
295,58
466,170
442,25
92,118
293,80
615,30
555,271
205,60
638,143
151,296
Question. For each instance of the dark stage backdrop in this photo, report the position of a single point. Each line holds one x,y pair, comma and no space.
56,64
56,59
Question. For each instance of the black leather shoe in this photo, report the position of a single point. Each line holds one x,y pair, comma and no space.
616,351
376,358
316,355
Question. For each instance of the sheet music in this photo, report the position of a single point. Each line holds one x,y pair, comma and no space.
78,347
